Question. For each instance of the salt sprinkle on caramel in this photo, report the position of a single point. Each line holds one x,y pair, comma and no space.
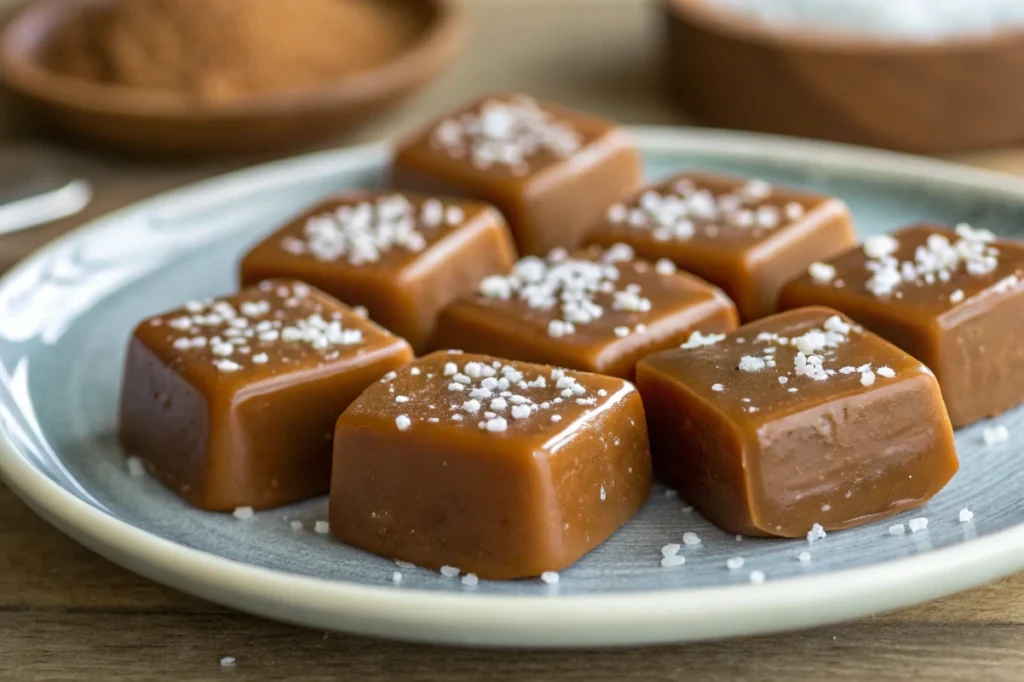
506,134
237,338
581,290
364,232
684,210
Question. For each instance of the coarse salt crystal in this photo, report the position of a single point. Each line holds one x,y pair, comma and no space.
803,557
664,266
550,577
321,527
690,538
227,661
670,549
243,513
135,467
260,359
717,388
296,525
886,372
957,296
750,363
396,577
403,422
867,378
880,246
897,529
449,571
757,577
734,563
995,434
816,533
918,524
470,580
672,560
822,273
966,515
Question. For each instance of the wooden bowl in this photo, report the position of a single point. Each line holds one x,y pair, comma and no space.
154,122
943,96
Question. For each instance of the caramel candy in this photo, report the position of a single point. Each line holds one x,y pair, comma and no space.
553,172
796,421
954,299
401,256
744,235
232,402
597,310
499,468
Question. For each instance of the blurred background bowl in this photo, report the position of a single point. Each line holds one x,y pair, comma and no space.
942,96
154,122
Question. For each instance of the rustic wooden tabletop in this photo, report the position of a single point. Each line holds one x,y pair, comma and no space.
66,614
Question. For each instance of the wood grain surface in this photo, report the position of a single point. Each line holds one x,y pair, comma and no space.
66,614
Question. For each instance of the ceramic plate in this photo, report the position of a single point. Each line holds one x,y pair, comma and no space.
66,313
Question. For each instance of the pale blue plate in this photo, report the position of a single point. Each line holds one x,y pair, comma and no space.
65,316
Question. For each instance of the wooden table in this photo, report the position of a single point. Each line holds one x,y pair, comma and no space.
66,614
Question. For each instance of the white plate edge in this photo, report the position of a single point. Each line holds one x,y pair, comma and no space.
606,619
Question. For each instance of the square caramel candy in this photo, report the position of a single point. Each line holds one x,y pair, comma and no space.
499,468
798,420
401,256
596,310
232,402
745,236
952,298
552,171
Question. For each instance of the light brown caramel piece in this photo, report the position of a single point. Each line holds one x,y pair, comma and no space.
503,469
963,326
232,402
798,419
745,236
620,310
551,171
402,256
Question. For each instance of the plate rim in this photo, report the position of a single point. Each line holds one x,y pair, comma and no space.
608,619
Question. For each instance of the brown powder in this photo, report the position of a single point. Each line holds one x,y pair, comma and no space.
217,50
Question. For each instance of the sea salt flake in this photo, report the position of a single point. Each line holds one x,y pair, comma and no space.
135,467
550,577
242,513
816,533
992,435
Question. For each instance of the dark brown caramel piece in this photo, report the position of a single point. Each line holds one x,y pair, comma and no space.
401,256
743,235
503,469
597,311
796,420
952,299
233,402
552,171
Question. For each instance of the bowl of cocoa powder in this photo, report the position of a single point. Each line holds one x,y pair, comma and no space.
207,77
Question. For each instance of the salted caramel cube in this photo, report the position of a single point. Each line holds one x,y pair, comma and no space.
551,171
499,468
745,236
595,310
232,402
401,256
953,298
799,420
